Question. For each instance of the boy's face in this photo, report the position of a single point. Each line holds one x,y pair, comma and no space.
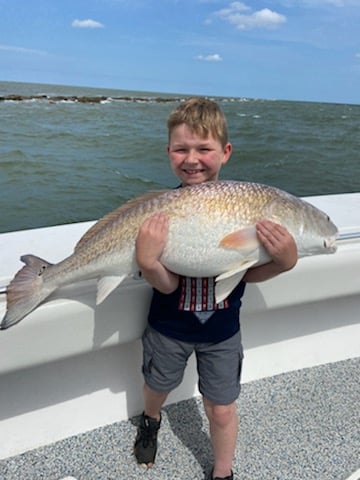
194,159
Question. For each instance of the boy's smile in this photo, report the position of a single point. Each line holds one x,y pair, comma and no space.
195,159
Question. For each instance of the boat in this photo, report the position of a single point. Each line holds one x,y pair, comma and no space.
72,367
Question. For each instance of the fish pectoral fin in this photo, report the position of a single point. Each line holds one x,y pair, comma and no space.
226,282
245,238
106,285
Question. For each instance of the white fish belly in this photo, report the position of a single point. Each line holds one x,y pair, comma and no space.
193,249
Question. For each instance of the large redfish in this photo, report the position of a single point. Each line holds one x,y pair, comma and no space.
211,234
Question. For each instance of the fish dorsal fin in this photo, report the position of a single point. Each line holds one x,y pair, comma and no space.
106,285
112,216
226,282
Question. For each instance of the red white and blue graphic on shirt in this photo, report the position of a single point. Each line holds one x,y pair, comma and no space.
197,295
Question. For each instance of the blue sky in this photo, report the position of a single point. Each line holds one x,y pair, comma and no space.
284,49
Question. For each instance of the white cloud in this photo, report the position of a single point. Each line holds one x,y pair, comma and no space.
86,24
238,14
209,58
29,51
322,3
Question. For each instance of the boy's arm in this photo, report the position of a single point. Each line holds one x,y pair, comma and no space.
281,247
150,243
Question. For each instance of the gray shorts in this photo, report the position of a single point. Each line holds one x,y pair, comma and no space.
218,365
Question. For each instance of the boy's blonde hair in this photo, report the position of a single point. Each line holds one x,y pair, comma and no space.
202,116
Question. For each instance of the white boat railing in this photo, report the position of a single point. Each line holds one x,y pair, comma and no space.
348,236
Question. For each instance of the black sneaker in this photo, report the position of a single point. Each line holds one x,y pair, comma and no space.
229,477
145,446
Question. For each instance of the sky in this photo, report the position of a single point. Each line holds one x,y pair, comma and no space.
307,50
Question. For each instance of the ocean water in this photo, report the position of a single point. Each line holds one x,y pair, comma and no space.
63,160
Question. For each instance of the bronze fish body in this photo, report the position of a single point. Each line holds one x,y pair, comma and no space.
211,233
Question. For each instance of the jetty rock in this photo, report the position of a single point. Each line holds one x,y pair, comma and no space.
84,99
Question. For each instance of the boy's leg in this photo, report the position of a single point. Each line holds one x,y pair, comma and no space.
219,367
153,401
164,361
223,421
145,446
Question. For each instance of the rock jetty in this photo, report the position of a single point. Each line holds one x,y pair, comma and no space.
75,98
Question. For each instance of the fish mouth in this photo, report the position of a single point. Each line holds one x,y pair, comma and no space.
330,244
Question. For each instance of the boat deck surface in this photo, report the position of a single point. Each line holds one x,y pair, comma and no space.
302,425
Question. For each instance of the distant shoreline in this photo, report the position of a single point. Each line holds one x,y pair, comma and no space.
84,99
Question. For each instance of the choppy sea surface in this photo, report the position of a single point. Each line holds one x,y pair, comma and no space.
69,154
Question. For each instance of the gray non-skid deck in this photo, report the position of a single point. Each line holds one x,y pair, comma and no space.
302,425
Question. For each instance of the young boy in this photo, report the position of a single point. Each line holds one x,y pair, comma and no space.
198,147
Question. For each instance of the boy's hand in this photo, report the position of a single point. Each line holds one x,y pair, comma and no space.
149,246
278,242
280,246
151,240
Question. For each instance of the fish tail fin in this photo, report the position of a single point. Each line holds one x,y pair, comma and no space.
26,290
